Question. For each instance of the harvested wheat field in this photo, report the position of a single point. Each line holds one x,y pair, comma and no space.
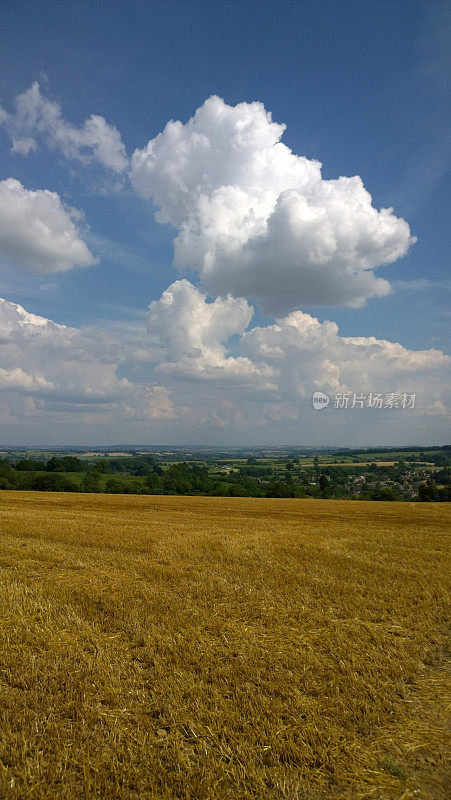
212,648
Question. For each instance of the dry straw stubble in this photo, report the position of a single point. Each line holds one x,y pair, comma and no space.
213,648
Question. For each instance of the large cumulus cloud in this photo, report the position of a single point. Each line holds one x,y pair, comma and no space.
257,221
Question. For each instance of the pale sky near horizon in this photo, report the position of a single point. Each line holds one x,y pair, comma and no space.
211,210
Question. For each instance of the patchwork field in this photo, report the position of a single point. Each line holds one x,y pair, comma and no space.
208,648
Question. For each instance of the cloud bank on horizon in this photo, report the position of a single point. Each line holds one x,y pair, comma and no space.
50,369
258,224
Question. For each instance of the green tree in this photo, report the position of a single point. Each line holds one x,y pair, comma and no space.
427,492
91,482
52,482
279,489
102,466
8,476
384,493
54,465
153,483
30,465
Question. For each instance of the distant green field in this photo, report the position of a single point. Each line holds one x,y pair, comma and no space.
77,478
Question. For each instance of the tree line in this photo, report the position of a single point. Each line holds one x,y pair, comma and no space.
144,475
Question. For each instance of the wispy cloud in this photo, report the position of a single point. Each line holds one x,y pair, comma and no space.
36,120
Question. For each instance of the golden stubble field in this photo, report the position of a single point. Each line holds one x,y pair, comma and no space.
212,648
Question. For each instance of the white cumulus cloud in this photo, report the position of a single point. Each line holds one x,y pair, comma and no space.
78,365
309,355
47,368
67,365
277,367
37,232
36,118
17,379
258,221
192,333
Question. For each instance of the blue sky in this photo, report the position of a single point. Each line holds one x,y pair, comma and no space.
361,87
